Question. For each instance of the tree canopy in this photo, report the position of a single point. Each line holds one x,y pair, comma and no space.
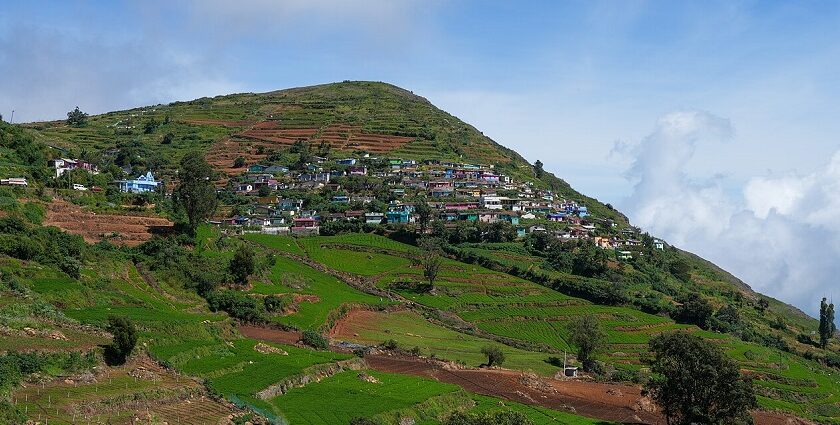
587,336
77,118
195,192
695,383
827,326
125,338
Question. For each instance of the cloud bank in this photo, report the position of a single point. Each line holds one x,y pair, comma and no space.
780,234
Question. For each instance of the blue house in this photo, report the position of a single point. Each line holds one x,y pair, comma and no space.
401,216
143,183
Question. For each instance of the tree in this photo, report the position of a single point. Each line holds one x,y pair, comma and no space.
695,310
239,162
242,264
680,269
495,355
195,192
424,214
695,383
76,118
125,338
430,260
167,139
827,326
264,190
538,169
315,340
586,334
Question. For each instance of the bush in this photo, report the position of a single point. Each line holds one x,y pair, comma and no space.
315,340
242,264
125,338
237,304
507,417
390,345
495,356
274,304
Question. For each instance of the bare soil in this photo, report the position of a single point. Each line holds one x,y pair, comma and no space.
124,229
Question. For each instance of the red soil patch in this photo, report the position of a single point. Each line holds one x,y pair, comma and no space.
613,402
352,323
124,229
271,335
270,135
597,400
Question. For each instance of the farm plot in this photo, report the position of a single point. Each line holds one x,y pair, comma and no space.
242,367
126,229
320,293
339,398
140,391
410,330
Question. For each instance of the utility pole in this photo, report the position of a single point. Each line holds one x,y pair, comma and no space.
12,120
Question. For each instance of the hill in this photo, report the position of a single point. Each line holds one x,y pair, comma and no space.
246,350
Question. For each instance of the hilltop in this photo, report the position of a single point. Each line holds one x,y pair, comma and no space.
332,194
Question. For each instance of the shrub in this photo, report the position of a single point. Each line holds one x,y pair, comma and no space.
242,264
495,356
390,345
237,305
274,303
315,340
125,338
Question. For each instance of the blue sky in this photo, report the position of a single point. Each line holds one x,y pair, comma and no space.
583,86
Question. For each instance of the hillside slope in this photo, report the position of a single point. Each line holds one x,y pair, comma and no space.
518,292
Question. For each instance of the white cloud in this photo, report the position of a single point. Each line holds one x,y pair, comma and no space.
781,234
48,72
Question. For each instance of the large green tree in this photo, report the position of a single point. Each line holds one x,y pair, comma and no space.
695,383
588,337
77,118
195,192
827,326
125,338
242,264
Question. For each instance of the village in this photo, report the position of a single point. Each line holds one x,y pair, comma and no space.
367,191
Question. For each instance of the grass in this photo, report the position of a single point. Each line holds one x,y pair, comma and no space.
409,330
349,397
290,277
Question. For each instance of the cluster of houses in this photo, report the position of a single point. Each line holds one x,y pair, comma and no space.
455,192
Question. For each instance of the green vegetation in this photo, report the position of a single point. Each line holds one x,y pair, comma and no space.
125,338
694,382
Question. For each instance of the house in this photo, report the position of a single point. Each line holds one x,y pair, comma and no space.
256,168
290,204
624,255
401,216
492,202
536,229
314,177
399,193
341,199
357,171
77,186
305,225
141,184
245,187
346,161
570,372
659,244
556,216
14,181
60,165
528,216
511,218
276,169
374,218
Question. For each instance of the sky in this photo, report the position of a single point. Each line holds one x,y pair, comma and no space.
712,124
